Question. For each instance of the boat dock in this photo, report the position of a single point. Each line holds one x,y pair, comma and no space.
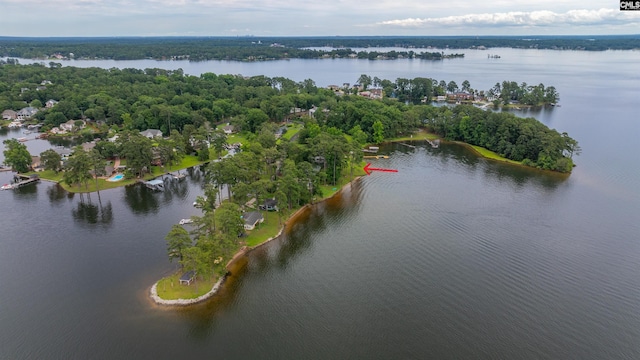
405,144
26,180
434,143
157,185
376,157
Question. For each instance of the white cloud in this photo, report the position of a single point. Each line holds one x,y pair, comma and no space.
519,18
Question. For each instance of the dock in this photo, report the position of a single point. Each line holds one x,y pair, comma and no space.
405,144
434,143
26,180
376,157
157,185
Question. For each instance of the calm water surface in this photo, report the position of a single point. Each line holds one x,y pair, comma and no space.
452,257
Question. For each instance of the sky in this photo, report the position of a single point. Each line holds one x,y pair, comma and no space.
314,18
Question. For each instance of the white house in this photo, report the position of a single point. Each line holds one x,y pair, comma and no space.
50,103
251,219
151,133
70,125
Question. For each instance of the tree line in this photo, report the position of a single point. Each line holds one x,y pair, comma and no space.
259,48
133,100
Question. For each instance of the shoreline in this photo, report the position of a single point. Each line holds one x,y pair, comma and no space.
425,135
153,293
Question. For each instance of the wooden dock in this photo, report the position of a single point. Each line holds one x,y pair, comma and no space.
434,143
405,144
26,180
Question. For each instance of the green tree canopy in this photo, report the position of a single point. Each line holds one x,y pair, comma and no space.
16,155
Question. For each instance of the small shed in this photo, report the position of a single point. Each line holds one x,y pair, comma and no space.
187,277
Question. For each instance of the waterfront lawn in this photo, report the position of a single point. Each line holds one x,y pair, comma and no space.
330,190
169,288
492,155
419,135
269,228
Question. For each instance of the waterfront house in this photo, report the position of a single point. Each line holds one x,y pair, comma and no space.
36,163
151,133
251,219
269,205
9,115
26,113
71,125
229,129
63,152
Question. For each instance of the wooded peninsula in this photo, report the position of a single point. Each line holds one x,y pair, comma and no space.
273,143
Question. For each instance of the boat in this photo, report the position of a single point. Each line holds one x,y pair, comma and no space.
196,204
185,221
22,139
6,187
179,176
27,132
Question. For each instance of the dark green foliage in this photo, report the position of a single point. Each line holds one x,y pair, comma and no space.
519,139
51,160
16,155
184,107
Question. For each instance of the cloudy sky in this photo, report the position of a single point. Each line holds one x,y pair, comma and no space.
317,17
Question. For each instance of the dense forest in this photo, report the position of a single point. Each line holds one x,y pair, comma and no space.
133,100
273,48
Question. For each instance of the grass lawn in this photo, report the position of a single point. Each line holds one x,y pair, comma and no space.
237,138
267,229
292,130
329,190
169,288
419,135
491,155
91,184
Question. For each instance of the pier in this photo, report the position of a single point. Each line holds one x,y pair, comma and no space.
24,180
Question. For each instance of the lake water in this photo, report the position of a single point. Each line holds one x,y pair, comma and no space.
452,257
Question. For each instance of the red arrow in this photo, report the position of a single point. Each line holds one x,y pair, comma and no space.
368,169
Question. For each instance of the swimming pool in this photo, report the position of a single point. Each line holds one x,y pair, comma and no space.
116,177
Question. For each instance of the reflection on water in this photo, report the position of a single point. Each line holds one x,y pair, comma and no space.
28,191
520,176
56,193
140,199
93,213
175,188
